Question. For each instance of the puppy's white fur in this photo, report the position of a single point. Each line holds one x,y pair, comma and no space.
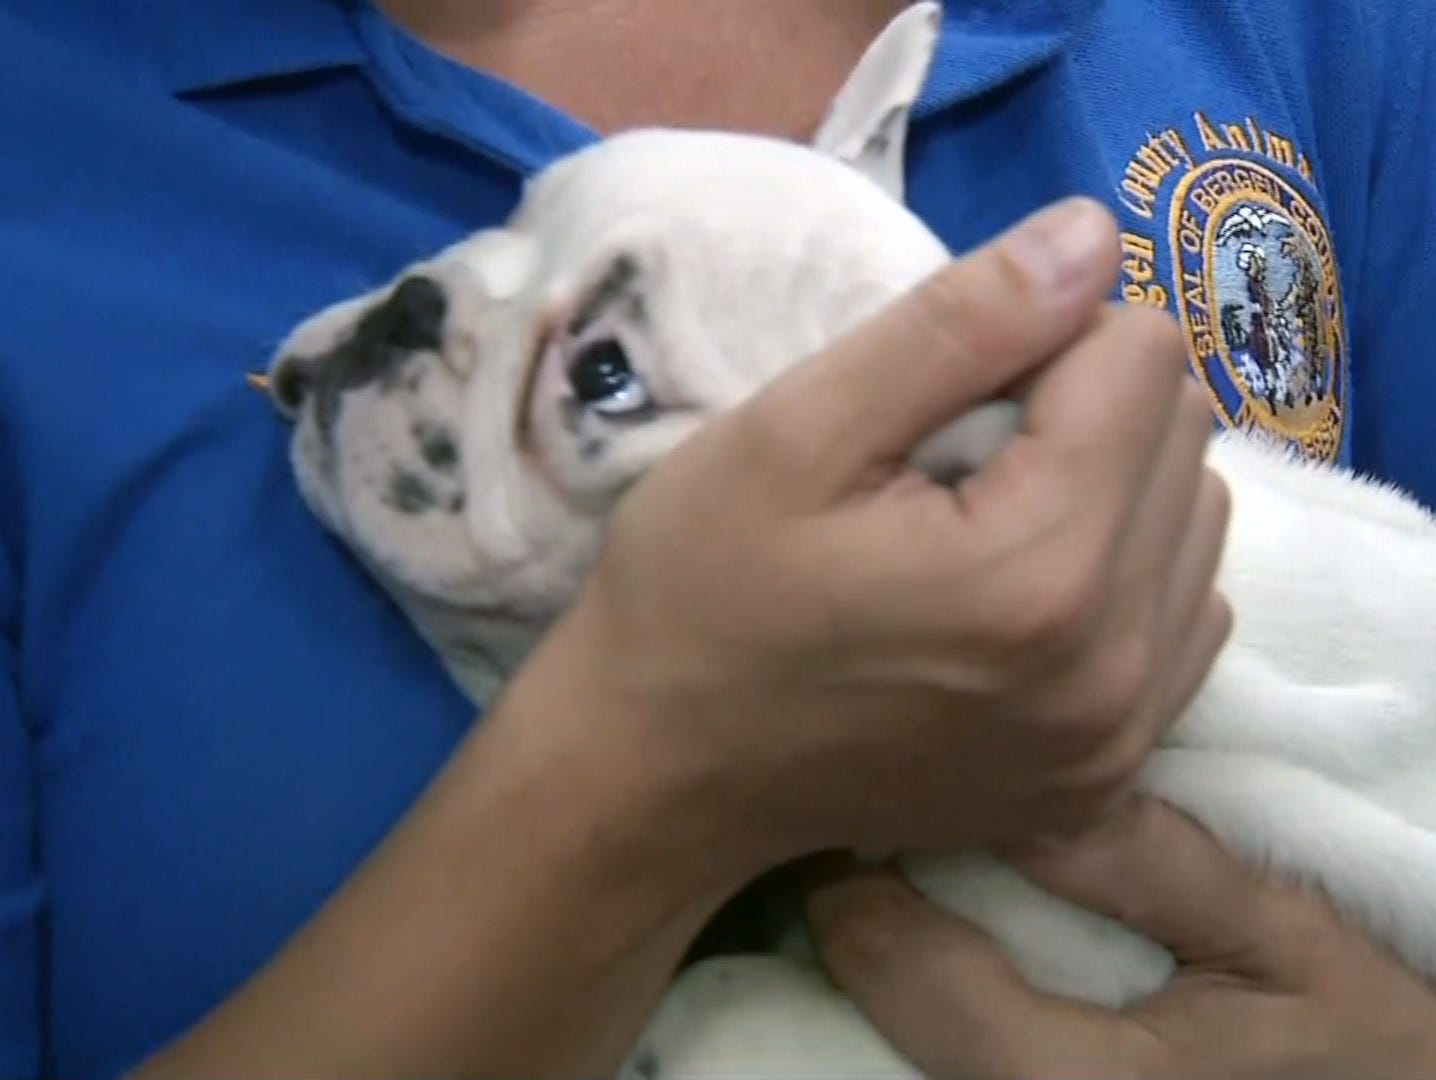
1309,750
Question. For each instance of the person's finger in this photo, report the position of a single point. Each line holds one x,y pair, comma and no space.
947,997
951,342
1099,415
1181,630
1195,620
1158,872
1165,579
1163,524
1136,372
1070,492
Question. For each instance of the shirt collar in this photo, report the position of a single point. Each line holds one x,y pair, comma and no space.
208,44
213,43
986,43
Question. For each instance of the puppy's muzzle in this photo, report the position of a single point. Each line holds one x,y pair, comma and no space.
409,320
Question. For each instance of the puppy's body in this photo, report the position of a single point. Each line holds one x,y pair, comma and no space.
466,430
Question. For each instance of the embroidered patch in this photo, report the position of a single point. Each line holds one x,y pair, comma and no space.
1253,277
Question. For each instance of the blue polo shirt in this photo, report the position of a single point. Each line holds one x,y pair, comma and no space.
208,715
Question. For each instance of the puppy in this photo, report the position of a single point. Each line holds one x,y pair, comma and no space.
466,429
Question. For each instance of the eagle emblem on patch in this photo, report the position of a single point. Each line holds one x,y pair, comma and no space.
1245,260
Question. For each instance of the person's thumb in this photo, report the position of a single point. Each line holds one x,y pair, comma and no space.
945,995
950,343
1158,872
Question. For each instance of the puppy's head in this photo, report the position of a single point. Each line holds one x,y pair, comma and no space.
467,427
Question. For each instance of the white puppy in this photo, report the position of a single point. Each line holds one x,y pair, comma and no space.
466,429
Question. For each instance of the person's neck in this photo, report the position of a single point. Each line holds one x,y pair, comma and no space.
749,65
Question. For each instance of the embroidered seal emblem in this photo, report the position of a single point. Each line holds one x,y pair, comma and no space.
1253,276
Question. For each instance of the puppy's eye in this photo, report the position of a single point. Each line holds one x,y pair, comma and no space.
603,381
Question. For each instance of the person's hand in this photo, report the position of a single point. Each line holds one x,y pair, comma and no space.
1271,982
840,652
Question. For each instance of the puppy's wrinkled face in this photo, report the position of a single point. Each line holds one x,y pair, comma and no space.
466,429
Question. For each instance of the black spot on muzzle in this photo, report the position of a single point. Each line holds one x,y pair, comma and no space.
410,320
413,316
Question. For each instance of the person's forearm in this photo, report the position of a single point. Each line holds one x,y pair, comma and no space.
523,920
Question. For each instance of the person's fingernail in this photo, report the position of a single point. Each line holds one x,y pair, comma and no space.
869,900
1063,243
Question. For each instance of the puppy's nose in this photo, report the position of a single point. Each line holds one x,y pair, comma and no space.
413,316
290,380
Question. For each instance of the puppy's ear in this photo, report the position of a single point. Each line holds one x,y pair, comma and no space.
866,126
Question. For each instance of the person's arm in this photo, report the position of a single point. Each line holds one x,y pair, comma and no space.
522,920
784,613
1271,983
